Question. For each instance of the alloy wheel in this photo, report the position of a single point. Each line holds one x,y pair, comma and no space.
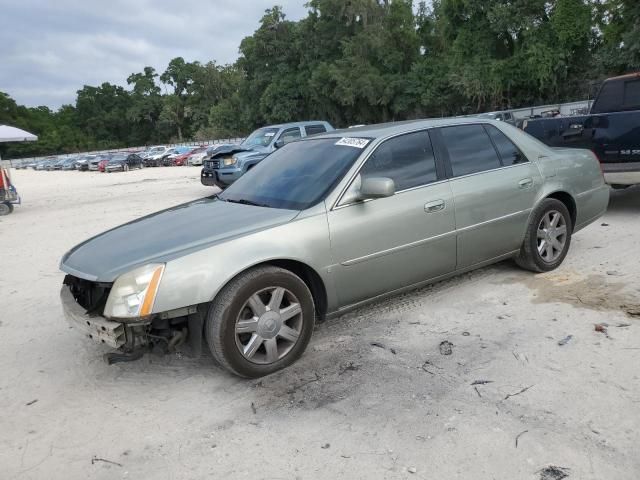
552,236
268,325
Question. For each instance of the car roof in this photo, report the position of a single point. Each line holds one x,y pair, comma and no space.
296,124
382,130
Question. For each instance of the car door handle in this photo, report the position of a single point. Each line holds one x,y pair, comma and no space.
525,183
434,206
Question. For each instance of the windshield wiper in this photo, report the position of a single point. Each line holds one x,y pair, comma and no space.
244,201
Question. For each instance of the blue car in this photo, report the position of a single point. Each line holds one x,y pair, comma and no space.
229,162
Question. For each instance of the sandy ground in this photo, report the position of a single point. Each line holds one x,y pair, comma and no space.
348,409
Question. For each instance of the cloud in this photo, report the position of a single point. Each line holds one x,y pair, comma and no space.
50,49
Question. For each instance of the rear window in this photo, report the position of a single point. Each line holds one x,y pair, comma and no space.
314,129
470,149
632,94
509,153
618,95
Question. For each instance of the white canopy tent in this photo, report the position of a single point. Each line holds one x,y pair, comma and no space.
8,193
13,134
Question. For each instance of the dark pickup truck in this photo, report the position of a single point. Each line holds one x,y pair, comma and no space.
611,130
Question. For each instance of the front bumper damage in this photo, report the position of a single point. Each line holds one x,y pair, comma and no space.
95,327
164,333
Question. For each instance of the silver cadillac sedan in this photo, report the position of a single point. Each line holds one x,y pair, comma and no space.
324,225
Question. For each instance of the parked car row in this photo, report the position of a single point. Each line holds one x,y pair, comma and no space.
157,156
162,156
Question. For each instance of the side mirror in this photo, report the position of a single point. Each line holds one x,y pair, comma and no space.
377,187
279,143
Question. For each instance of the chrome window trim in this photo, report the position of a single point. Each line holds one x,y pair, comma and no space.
374,146
453,179
376,142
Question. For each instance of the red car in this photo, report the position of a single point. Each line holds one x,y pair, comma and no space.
182,159
102,164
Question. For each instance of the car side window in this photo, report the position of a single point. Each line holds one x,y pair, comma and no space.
509,153
408,160
470,149
314,129
631,98
290,135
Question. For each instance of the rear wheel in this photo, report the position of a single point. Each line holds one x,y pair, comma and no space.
5,208
548,237
125,167
260,322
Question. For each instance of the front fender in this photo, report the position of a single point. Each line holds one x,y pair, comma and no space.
198,277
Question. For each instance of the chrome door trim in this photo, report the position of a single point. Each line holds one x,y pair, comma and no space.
346,308
389,251
417,243
587,192
497,219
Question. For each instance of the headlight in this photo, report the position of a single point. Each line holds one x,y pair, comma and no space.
133,293
230,161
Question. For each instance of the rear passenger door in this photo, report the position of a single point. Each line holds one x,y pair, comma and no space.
494,187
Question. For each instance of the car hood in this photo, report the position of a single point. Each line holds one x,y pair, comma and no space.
240,151
166,235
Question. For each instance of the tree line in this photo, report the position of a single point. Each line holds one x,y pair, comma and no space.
353,62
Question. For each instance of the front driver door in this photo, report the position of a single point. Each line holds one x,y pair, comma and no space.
384,244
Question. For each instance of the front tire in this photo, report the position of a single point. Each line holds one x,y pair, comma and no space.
261,322
548,237
5,208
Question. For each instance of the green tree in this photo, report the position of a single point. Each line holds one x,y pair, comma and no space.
145,106
179,74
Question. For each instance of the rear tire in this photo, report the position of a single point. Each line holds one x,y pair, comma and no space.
260,322
548,237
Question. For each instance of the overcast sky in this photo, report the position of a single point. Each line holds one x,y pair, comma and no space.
49,49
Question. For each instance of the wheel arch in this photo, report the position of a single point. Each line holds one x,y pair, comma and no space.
305,272
568,201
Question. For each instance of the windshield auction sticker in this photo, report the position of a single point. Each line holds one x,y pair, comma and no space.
353,142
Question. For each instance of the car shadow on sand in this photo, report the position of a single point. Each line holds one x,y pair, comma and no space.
625,201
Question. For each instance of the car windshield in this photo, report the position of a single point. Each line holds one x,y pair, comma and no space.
295,177
118,158
260,138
